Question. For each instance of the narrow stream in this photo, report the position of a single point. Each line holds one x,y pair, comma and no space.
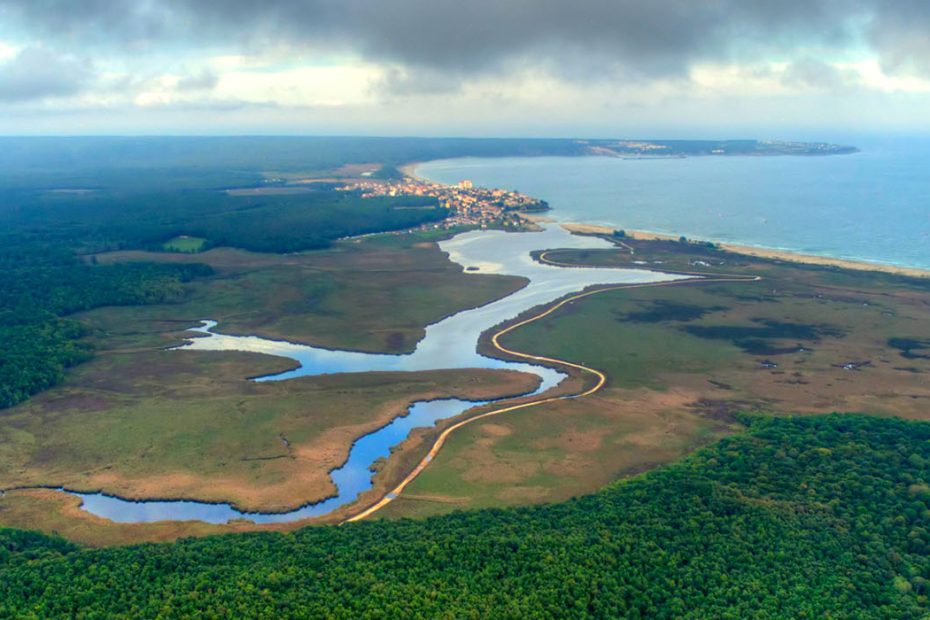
351,479
449,344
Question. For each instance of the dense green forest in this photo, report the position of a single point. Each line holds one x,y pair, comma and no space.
816,517
116,219
40,283
47,271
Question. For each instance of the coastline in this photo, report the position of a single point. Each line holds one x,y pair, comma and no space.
410,169
761,252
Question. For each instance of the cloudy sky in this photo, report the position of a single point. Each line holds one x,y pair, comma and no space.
455,67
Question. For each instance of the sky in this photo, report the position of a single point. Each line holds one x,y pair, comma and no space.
571,68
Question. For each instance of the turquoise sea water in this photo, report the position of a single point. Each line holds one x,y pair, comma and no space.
872,206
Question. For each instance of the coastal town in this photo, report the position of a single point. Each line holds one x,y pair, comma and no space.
468,205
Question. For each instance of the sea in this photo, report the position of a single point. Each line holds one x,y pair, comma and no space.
871,206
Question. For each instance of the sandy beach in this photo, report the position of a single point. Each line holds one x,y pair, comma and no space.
785,255
794,257
410,170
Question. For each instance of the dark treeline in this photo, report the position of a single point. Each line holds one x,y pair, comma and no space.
158,163
218,162
820,517
47,269
247,154
42,282
114,220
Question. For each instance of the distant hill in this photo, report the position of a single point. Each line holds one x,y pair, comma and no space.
214,162
685,148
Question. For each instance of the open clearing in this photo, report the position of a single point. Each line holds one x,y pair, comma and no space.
184,244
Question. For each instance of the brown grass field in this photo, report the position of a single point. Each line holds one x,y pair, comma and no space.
374,294
142,422
683,362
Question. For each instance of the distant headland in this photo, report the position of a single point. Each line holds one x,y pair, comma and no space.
686,148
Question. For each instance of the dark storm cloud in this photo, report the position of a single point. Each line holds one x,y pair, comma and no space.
400,82
36,73
903,37
813,73
647,37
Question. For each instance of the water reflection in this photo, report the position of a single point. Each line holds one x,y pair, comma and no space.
352,479
452,342
449,344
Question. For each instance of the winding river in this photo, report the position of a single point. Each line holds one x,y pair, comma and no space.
449,344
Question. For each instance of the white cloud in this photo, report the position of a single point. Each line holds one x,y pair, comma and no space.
875,77
8,50
244,93
301,86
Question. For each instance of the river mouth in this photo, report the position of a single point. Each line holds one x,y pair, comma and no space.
449,344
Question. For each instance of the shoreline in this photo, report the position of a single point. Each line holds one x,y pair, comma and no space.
410,169
761,252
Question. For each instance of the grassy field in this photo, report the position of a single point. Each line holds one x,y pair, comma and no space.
556,451
186,424
184,244
681,360
142,421
374,294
